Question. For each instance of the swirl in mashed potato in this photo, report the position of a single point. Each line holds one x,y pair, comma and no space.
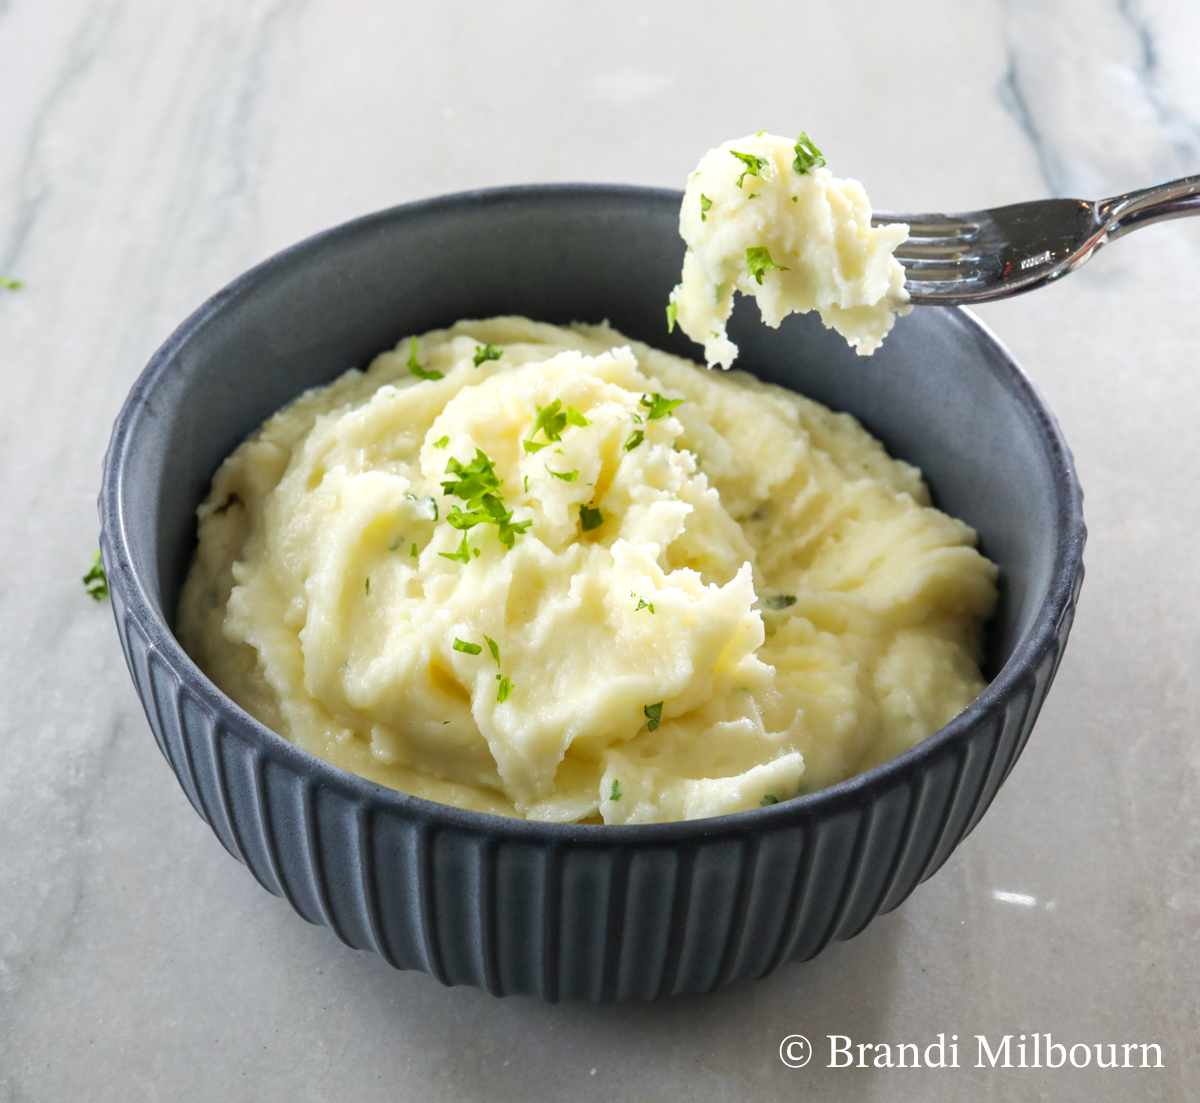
718,594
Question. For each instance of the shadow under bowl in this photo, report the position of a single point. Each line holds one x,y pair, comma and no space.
569,911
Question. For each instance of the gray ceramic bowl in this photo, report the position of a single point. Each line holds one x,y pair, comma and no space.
588,912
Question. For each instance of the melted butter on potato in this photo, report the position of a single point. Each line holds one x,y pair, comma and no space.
724,605
763,216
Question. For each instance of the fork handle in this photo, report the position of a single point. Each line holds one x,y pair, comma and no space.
1123,213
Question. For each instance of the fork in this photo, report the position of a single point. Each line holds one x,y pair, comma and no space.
952,259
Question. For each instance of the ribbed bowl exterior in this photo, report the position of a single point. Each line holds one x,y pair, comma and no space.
571,917
577,912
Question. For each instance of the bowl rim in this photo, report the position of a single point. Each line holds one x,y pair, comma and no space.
147,611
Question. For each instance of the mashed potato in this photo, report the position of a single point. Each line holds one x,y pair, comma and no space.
763,216
554,573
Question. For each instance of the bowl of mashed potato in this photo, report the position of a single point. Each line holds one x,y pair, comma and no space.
494,633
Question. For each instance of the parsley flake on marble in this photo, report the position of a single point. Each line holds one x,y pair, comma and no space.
95,582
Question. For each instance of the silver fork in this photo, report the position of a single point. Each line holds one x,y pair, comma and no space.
951,259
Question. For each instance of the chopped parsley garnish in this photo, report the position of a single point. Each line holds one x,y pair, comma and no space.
653,715
503,690
566,476
753,195
808,157
490,512
395,543
672,310
427,507
705,207
760,133
415,553
768,800
658,406
779,601
96,581
758,261
590,518
754,165
487,352
615,792
415,367
477,484
463,555
494,648
635,438
552,420
466,648
442,443
367,586
642,603
475,479
795,199
13,285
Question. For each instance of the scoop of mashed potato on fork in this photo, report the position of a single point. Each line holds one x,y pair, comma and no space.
763,215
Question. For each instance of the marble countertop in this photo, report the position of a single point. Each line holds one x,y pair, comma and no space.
151,152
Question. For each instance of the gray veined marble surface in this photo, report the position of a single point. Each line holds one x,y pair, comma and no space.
149,152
